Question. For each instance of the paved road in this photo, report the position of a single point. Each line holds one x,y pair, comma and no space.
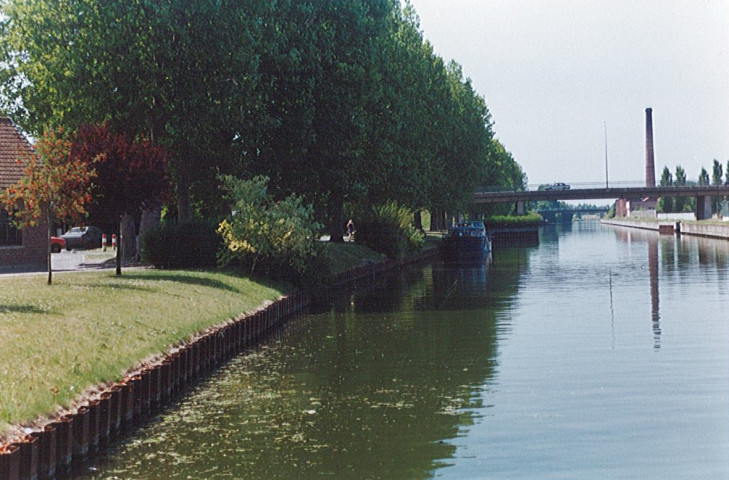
65,261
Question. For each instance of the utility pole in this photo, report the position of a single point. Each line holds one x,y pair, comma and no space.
604,123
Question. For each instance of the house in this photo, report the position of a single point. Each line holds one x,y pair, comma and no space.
19,248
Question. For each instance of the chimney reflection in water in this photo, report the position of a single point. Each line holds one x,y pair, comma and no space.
655,300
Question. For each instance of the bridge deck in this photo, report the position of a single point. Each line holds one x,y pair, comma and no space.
601,193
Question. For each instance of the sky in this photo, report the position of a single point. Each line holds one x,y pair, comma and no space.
563,79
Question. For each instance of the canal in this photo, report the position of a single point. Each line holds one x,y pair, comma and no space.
603,352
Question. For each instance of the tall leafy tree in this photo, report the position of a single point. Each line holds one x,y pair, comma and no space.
347,84
717,174
665,204
339,100
704,177
407,140
182,73
508,174
55,186
131,177
680,181
465,162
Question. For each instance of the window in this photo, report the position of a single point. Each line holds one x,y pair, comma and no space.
9,233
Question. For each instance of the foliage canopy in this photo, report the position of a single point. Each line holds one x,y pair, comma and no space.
340,101
55,186
278,236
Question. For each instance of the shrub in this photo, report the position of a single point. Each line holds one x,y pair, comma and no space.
389,229
276,238
188,244
506,221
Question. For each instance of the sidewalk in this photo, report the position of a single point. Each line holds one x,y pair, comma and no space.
65,261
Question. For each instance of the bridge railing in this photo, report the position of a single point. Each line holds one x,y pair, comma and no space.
532,187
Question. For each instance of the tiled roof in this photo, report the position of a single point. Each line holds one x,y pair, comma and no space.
13,144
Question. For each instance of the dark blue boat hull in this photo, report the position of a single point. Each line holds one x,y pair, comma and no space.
465,249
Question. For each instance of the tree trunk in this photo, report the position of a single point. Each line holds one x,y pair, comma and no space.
150,219
437,220
418,220
48,246
336,214
127,247
184,205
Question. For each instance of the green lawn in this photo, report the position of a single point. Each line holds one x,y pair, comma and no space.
341,257
89,328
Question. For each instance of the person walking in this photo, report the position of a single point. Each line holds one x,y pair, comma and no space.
350,230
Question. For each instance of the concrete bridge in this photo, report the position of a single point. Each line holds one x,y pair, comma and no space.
702,193
566,214
647,195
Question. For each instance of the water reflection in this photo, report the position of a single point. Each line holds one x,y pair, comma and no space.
655,297
535,362
675,257
372,387
652,240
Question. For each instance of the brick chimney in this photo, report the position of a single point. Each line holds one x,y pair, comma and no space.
650,165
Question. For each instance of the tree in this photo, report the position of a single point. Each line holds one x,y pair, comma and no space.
341,101
680,202
183,74
666,204
716,179
55,185
131,177
347,84
508,174
703,177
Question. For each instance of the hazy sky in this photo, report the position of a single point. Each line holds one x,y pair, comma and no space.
555,73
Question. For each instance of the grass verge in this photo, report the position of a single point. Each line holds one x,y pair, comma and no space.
89,328
341,257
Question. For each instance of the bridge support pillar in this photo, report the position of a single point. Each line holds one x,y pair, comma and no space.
519,207
703,207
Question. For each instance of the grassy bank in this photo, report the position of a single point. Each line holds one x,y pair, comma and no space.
89,328
513,221
341,257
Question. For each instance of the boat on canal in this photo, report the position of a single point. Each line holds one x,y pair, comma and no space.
466,242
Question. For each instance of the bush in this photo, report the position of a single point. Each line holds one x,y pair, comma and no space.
189,244
275,238
511,221
389,229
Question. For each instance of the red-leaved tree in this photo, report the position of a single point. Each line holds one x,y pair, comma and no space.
131,178
55,186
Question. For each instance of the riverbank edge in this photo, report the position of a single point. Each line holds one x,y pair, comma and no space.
113,411
709,230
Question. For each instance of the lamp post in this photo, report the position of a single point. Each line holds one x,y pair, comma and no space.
604,123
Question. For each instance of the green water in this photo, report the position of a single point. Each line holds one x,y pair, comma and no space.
601,353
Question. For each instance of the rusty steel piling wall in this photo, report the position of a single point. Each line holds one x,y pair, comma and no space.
70,440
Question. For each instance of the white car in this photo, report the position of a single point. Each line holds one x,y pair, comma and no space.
557,186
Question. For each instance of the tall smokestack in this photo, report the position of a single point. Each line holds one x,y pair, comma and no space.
650,165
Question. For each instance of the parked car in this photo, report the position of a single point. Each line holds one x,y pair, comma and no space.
57,244
557,186
83,237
